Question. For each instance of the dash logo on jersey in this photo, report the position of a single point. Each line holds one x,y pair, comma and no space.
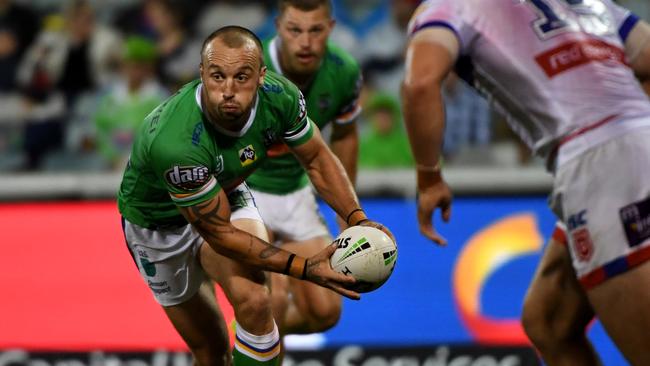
247,155
187,177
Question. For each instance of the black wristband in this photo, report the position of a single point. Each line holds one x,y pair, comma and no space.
347,219
304,271
289,261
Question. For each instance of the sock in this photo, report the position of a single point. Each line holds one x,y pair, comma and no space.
254,350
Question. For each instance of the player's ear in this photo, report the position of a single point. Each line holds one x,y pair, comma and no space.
201,71
260,82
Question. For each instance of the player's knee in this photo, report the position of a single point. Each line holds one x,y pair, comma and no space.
535,323
548,332
324,315
538,323
253,304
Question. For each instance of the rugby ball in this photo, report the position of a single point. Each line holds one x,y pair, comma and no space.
365,253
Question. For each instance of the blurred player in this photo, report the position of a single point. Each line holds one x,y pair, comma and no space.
330,80
188,214
564,73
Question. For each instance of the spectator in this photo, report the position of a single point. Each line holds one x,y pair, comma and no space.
121,110
248,14
178,52
469,118
18,28
68,58
385,145
383,56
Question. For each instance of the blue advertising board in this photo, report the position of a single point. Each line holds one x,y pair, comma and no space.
470,291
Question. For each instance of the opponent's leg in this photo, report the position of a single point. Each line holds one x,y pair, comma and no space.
312,308
621,303
556,310
200,323
258,339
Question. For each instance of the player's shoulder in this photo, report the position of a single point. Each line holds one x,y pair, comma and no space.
277,87
178,104
174,120
339,59
280,97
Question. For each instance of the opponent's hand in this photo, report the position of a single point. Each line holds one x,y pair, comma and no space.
379,226
319,271
437,195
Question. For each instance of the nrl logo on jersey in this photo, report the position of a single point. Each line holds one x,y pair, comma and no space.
247,155
187,177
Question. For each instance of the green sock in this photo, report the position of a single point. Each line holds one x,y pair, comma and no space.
254,350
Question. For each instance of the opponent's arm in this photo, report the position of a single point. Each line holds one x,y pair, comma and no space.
430,55
211,219
637,49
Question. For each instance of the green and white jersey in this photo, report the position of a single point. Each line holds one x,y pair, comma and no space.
333,96
181,159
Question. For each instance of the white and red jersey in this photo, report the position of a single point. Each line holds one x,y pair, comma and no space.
554,67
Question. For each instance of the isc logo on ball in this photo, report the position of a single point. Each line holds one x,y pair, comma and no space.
365,253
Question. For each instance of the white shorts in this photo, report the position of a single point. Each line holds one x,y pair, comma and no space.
291,217
603,198
168,258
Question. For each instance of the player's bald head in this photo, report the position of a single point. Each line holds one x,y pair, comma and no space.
234,36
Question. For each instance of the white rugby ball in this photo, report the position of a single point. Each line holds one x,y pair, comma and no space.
367,254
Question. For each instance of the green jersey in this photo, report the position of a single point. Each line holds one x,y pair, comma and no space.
180,159
332,96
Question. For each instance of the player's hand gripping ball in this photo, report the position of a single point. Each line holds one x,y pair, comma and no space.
367,254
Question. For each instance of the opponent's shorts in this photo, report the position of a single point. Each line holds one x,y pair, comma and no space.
168,258
603,198
291,217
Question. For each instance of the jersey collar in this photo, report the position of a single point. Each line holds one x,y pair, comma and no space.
247,126
275,58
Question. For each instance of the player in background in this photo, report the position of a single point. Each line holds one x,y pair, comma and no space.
188,216
564,73
330,79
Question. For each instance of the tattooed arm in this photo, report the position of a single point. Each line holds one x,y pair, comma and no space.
332,183
212,220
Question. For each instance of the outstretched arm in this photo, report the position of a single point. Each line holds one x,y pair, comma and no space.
431,53
211,219
637,49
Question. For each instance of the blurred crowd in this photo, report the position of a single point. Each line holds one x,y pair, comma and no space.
77,76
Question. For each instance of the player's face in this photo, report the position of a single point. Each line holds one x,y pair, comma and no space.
231,77
303,38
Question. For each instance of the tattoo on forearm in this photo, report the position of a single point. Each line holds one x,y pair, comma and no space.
269,251
206,217
207,214
311,275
